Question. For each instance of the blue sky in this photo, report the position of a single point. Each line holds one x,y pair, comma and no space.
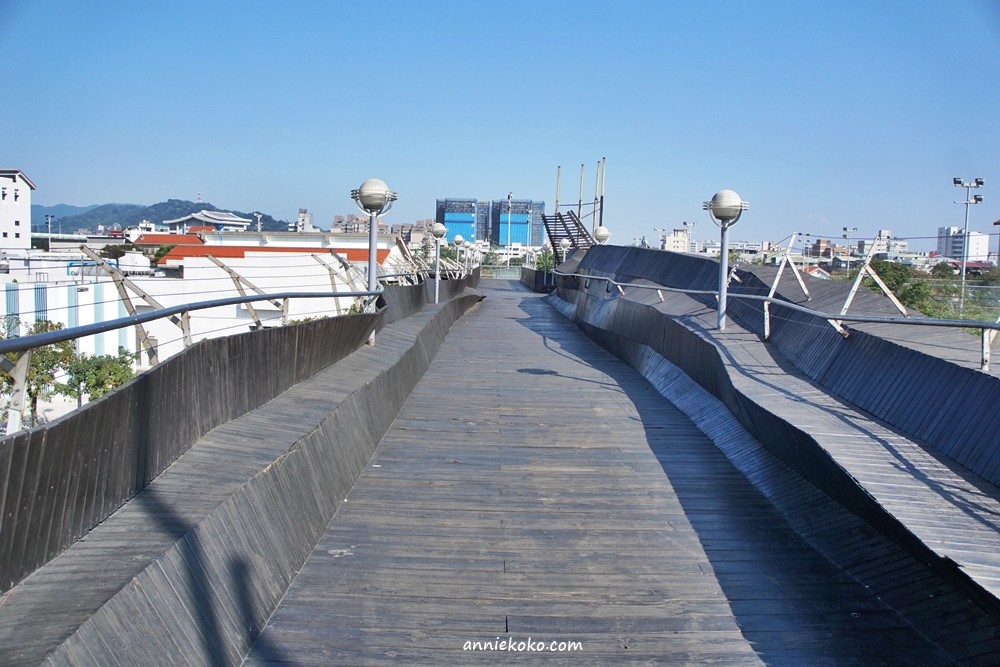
821,114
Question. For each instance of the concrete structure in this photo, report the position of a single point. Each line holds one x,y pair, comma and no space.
489,220
218,220
953,243
680,497
679,240
15,210
68,288
303,223
461,217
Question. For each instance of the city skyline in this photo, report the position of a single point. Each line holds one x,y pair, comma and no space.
821,116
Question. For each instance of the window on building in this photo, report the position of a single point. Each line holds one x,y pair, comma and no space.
17,223
17,235
5,234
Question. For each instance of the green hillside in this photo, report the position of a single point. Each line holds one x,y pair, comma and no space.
127,215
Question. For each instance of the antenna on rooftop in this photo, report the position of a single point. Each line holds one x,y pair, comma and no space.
198,200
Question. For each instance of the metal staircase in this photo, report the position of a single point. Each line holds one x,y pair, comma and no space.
561,226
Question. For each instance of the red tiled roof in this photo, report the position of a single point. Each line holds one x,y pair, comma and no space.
180,252
168,239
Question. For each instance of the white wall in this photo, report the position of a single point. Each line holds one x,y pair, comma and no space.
76,304
15,212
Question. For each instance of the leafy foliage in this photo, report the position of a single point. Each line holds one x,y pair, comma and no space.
95,376
991,277
115,251
911,291
545,261
161,251
46,362
91,376
942,270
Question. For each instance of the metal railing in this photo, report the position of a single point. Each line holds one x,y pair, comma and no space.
23,345
988,330
38,340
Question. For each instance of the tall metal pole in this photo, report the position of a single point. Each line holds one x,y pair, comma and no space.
437,268
965,247
604,169
579,205
510,202
723,274
558,174
372,254
997,223
597,191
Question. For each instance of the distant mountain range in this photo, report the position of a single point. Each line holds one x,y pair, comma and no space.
72,218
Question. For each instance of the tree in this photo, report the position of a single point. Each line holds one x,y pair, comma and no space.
545,260
991,277
115,251
901,281
46,362
96,376
943,270
161,251
425,249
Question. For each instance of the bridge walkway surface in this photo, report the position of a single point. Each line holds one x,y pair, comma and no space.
536,488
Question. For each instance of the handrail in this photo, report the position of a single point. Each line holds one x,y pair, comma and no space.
59,335
983,326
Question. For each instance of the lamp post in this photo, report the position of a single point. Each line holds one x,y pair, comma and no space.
997,224
725,209
601,235
510,203
565,243
847,235
374,198
48,225
970,199
438,230
459,242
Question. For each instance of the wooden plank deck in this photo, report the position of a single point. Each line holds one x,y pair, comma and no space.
534,486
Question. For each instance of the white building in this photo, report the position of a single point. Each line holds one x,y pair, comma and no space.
219,220
15,210
303,224
677,241
952,242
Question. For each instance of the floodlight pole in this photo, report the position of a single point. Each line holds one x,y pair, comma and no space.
969,201
847,235
510,203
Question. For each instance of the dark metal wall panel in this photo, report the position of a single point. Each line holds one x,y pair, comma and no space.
66,477
794,447
928,398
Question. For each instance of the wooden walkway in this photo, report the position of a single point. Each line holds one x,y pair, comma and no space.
536,488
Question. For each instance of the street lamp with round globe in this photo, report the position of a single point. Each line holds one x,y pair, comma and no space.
459,241
601,235
374,198
725,209
438,231
565,243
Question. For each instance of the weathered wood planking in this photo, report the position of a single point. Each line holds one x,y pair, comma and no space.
535,486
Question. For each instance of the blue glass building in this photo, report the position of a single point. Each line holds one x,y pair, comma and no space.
519,222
